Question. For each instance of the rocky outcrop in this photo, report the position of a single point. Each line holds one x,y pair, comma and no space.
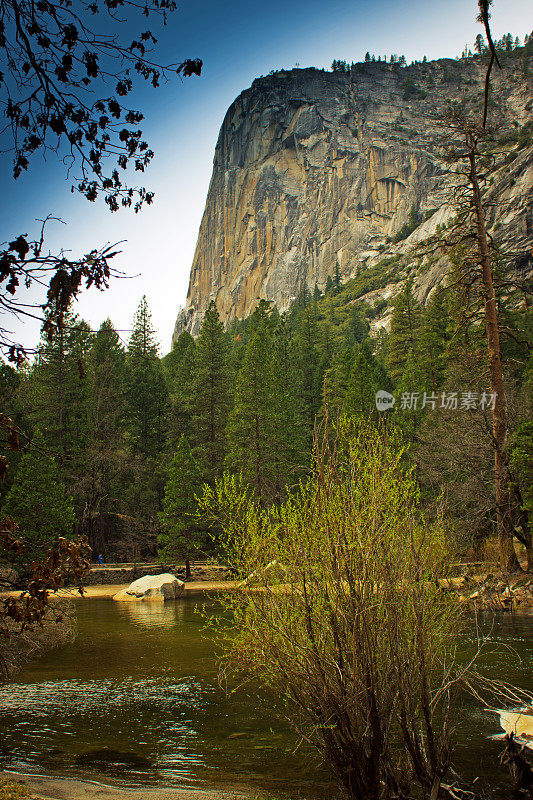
488,592
153,587
315,173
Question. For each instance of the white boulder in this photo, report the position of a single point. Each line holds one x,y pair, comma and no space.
153,587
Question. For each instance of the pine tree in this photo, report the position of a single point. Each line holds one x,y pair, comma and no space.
38,501
409,394
337,283
146,390
106,436
59,389
146,418
311,366
479,44
288,435
143,340
337,379
403,337
360,395
211,395
13,406
251,422
180,367
358,327
181,536
434,336
57,398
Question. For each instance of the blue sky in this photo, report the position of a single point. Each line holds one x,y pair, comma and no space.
238,41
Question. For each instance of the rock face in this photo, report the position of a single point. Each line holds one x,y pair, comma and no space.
314,171
153,587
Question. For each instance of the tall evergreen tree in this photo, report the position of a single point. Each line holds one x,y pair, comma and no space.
143,340
180,367
146,389
409,408
404,332
360,395
434,336
38,501
56,395
59,388
337,379
311,366
337,283
106,438
288,434
211,395
251,423
181,536
13,406
358,327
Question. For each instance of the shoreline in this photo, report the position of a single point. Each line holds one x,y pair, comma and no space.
107,591
192,588
47,787
477,593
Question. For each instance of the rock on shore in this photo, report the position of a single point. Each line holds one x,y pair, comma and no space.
153,587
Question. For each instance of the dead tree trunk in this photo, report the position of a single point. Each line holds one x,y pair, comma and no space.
504,513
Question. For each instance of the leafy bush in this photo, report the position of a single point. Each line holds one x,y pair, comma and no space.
346,619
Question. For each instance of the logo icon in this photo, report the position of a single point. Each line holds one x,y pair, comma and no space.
384,400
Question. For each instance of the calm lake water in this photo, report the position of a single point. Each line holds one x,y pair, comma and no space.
135,699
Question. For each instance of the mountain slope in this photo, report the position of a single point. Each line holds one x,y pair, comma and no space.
317,174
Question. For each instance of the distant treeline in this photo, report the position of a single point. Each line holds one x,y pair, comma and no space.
135,436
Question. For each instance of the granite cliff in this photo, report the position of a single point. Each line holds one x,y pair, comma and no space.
316,173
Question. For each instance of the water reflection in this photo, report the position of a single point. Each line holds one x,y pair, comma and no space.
160,615
136,698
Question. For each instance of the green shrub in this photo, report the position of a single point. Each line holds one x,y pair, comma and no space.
345,618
